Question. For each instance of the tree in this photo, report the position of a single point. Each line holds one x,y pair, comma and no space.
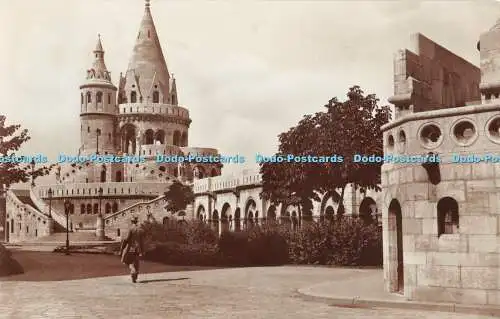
11,140
344,129
178,196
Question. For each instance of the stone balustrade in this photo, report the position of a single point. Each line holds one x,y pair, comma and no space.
212,184
58,217
200,151
125,189
154,108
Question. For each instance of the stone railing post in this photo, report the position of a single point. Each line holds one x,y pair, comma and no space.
100,228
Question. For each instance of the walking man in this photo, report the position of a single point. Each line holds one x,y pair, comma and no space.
132,248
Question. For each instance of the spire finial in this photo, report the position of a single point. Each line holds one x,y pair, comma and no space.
148,4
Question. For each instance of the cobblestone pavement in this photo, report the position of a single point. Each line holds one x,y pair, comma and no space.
222,293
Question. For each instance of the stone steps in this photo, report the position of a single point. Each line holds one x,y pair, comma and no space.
74,237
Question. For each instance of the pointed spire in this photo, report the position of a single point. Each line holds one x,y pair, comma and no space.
147,59
98,47
99,72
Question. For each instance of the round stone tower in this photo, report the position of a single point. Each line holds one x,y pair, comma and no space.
440,208
98,108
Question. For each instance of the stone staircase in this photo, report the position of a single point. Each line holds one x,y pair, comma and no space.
74,237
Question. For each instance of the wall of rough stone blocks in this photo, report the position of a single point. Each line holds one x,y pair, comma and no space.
462,267
431,77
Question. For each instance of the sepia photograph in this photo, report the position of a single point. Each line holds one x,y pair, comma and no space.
250,159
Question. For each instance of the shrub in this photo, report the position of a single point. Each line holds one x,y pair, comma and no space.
345,241
233,247
8,265
183,254
267,246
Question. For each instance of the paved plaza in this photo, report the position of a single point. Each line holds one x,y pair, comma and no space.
271,292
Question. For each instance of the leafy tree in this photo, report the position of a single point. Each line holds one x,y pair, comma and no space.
11,140
345,129
178,196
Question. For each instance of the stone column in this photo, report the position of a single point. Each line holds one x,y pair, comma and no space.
190,211
50,226
138,143
99,229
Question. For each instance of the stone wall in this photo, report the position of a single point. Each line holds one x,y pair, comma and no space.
459,267
431,77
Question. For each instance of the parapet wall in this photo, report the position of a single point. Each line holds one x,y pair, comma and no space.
431,77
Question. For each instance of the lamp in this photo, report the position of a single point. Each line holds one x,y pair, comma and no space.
67,207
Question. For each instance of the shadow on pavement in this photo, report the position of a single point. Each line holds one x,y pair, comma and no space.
162,280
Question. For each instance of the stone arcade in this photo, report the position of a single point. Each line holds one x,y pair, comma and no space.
441,221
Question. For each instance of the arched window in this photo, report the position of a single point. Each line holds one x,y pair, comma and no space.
89,97
81,98
109,98
82,209
103,176
89,209
133,97
108,208
99,97
156,97
96,208
118,232
448,217
119,176
177,138
115,207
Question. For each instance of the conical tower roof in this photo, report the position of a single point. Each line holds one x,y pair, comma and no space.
147,64
98,73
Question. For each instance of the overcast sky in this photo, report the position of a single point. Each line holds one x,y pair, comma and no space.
246,70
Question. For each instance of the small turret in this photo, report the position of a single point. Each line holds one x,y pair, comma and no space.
98,107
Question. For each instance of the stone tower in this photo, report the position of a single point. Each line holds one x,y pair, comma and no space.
150,120
440,212
98,108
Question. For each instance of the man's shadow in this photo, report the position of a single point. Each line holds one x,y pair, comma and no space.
161,280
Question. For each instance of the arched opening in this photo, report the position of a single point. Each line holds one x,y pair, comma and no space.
200,212
118,176
118,232
89,97
396,238
368,210
156,97
82,209
250,208
89,209
108,208
271,214
149,137
329,199
133,97
160,136
176,138
128,134
165,220
448,217
237,219
184,139
225,213
99,97
103,175
81,98
96,208
115,207
329,213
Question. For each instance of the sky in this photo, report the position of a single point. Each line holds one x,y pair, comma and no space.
246,70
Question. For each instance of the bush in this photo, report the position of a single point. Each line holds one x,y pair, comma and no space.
267,246
183,254
345,241
8,265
